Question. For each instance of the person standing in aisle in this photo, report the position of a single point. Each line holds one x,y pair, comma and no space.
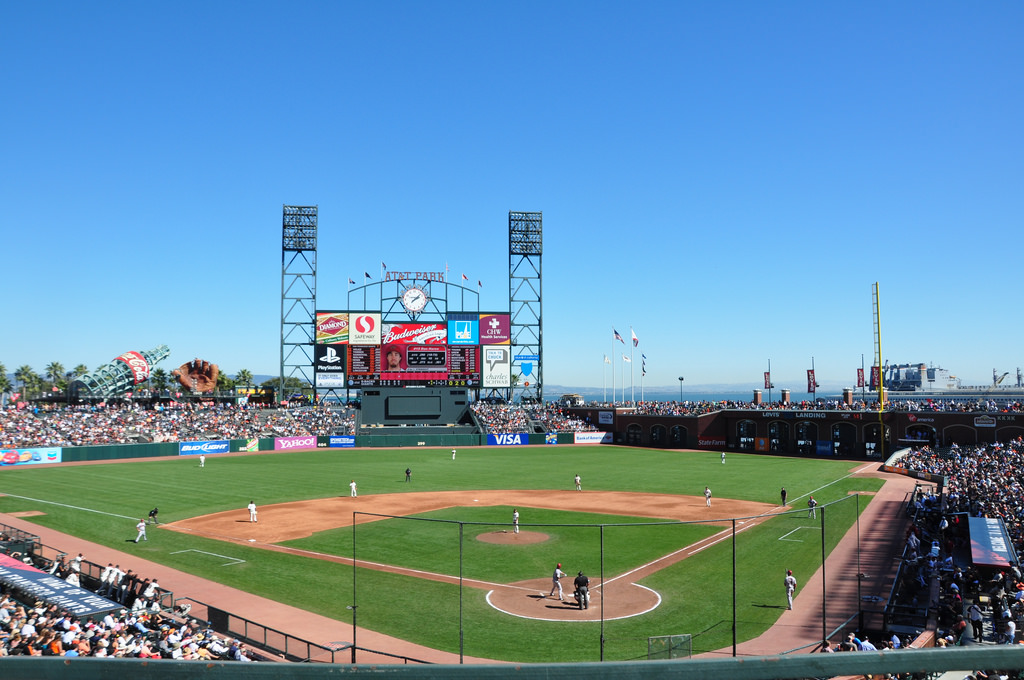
790,583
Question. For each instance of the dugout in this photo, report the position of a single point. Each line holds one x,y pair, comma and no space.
415,407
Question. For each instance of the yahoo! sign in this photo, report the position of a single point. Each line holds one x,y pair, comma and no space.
285,443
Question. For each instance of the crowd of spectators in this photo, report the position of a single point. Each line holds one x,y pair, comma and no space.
554,418
502,418
141,629
982,480
700,407
130,424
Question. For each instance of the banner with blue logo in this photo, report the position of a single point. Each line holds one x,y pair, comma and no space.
342,442
512,439
29,456
195,448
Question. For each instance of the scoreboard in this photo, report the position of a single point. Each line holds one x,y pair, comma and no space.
451,354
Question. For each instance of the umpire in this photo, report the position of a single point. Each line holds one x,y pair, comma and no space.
582,584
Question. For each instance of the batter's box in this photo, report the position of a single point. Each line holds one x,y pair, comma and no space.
233,562
786,537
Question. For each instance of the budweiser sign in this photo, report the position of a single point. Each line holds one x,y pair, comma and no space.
415,333
138,366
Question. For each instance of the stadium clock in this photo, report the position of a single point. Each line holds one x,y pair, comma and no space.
414,299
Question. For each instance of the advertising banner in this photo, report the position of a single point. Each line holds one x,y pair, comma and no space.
331,328
592,438
550,437
343,442
767,380
11,457
251,445
605,418
287,443
137,364
364,328
860,377
811,385
195,448
514,439
990,543
464,332
497,368
495,329
17,575
414,334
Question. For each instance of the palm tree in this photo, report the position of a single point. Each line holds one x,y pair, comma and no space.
5,382
26,376
244,376
55,371
79,370
158,379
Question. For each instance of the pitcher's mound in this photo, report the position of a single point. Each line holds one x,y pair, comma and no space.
509,538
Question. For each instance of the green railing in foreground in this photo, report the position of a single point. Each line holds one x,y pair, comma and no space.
933,660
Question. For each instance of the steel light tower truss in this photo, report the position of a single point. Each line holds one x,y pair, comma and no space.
298,293
525,251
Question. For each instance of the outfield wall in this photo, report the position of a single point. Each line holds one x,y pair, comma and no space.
78,454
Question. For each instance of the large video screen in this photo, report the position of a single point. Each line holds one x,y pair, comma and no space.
467,350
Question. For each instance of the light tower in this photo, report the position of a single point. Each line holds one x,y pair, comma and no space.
298,294
525,251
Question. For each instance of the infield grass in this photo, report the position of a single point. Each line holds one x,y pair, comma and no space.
101,503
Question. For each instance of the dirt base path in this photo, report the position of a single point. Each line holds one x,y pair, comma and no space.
617,597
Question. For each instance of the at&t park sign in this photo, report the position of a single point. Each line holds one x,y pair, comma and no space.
418,276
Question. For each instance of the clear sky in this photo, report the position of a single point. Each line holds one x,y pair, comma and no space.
728,178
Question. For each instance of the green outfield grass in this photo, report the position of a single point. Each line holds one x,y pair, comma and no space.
101,503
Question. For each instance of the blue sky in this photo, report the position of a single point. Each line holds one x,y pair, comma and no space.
729,179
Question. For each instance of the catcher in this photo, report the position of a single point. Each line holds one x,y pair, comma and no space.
198,375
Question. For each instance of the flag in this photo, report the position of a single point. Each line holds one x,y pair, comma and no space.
351,282
465,278
367,275
811,384
767,380
618,337
860,377
383,266
479,284
636,340
607,360
627,359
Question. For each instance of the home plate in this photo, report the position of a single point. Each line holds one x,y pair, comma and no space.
252,540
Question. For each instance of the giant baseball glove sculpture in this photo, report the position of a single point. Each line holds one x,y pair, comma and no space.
198,375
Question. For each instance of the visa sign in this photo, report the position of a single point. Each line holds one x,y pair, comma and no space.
195,448
516,439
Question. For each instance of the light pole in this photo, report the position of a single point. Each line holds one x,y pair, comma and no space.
680,389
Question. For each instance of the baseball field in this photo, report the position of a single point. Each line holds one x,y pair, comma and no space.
437,559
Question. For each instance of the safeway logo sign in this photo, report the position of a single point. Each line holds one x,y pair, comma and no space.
365,329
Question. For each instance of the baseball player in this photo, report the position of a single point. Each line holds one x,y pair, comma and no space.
252,511
811,505
453,454
141,528
555,583
515,521
790,583
202,460
352,487
723,457
707,496
579,487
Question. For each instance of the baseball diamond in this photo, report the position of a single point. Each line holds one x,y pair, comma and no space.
676,576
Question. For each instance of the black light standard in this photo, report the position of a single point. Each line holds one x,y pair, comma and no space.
680,389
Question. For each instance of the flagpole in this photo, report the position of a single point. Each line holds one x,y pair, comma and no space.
632,344
604,379
613,366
